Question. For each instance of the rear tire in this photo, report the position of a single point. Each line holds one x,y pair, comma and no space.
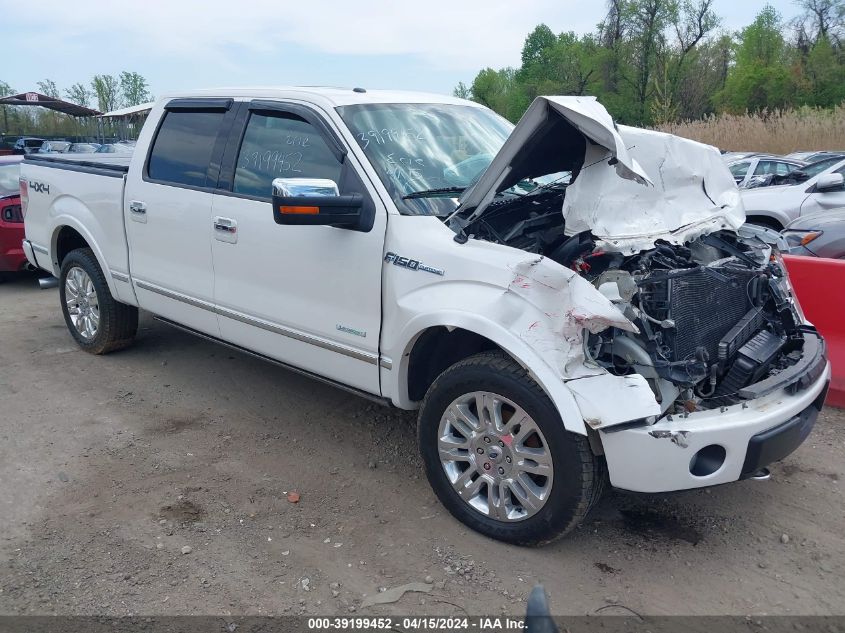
97,322
513,472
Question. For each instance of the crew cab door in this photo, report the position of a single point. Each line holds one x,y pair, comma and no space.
309,296
168,212
824,200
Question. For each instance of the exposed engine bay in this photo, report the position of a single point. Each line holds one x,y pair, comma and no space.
714,315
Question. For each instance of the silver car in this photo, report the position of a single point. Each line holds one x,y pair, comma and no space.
778,205
817,235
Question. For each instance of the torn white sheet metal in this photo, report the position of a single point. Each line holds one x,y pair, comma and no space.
566,304
693,194
607,399
586,114
569,304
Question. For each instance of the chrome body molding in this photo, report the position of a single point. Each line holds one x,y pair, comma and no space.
120,276
385,362
177,296
39,249
358,392
303,337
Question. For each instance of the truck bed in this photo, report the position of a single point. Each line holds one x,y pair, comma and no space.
81,194
105,164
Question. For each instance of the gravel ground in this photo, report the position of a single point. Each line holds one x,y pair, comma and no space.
159,480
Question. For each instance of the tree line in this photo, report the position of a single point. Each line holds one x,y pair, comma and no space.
651,62
103,92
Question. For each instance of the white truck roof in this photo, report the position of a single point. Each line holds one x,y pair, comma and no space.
330,96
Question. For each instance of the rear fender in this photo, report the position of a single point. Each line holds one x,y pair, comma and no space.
63,220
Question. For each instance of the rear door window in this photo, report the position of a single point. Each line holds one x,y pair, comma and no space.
183,147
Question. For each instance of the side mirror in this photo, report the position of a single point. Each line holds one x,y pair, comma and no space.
830,182
314,201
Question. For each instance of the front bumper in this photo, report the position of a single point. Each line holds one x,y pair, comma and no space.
678,452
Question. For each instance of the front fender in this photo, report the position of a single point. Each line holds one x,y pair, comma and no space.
555,388
537,314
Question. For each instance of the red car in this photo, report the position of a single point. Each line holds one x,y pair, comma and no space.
12,258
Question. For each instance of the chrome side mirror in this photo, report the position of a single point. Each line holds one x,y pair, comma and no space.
309,187
315,201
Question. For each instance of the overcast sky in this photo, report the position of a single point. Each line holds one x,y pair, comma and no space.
405,44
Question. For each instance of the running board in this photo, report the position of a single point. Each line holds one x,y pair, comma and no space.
303,372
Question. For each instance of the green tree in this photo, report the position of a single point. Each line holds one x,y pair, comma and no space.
134,88
496,90
823,76
78,93
5,91
761,75
106,88
48,87
648,20
821,19
538,44
462,91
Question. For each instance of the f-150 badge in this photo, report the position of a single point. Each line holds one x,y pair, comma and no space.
411,264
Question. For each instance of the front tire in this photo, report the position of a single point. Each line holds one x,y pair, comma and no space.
97,322
498,457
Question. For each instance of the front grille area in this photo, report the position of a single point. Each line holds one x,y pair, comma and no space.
704,304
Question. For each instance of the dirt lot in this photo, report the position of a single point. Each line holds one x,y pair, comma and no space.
111,467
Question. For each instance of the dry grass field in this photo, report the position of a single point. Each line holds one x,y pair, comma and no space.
778,131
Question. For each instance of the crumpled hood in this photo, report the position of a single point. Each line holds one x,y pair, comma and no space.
635,185
693,194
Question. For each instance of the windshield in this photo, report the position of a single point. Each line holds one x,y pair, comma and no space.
422,147
814,169
9,184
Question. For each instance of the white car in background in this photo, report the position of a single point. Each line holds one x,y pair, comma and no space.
779,205
751,171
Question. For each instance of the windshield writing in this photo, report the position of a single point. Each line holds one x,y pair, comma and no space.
418,147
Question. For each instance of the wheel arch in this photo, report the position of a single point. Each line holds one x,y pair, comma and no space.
68,235
770,219
455,336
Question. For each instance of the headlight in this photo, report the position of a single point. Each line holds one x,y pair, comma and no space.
796,238
786,285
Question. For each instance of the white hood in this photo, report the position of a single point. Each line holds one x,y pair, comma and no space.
635,185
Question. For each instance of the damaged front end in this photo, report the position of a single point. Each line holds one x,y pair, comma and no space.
703,310
715,317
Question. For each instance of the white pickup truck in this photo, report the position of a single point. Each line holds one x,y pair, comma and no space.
563,301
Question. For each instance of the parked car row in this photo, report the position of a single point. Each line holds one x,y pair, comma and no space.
802,195
34,145
755,170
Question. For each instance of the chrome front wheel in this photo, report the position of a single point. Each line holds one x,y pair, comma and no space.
495,456
83,305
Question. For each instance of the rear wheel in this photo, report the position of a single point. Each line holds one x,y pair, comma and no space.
97,322
498,456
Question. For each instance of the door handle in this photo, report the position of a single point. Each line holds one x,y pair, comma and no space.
226,225
138,211
225,230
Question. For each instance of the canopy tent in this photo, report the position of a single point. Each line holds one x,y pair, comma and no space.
124,123
143,108
45,101
82,116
